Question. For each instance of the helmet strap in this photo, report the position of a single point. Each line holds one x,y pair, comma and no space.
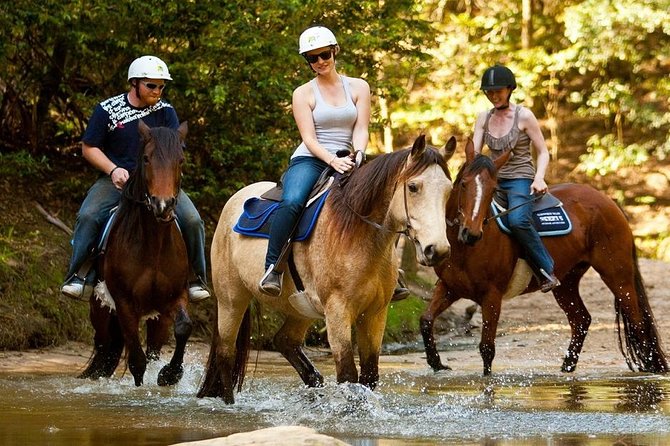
506,104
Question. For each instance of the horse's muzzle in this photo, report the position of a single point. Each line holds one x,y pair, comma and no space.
164,210
430,255
465,236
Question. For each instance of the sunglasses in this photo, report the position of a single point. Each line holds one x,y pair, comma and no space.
152,86
314,58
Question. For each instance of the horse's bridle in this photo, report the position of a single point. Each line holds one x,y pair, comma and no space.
408,224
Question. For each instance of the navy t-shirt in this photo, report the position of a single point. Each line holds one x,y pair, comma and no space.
113,127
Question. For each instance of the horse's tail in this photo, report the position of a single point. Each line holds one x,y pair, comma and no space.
242,344
213,382
643,344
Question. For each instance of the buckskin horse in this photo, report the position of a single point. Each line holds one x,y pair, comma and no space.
144,268
347,268
485,266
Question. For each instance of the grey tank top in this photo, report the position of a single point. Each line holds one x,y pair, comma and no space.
520,164
334,125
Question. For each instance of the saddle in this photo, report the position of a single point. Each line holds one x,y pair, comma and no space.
257,213
549,216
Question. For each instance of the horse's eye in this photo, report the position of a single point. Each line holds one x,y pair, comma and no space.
413,187
146,159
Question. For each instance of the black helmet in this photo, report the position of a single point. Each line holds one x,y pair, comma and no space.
497,77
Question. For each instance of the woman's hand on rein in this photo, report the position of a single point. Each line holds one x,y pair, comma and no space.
342,165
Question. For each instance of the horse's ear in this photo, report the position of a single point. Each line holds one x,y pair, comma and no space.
183,130
145,131
469,151
419,145
502,159
449,148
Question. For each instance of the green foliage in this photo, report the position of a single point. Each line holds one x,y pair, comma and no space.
605,155
33,312
22,164
402,322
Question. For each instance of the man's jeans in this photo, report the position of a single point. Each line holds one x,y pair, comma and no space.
520,222
302,173
94,213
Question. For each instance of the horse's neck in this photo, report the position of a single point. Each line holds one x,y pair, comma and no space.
137,224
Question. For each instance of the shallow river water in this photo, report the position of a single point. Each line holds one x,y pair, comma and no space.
412,406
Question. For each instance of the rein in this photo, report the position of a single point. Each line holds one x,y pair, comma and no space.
408,225
507,211
456,221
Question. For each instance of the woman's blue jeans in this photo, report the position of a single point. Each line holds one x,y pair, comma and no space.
101,198
302,173
520,222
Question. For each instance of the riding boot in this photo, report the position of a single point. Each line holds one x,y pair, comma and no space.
548,281
271,282
401,292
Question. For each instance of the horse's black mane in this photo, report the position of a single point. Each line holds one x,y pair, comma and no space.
481,162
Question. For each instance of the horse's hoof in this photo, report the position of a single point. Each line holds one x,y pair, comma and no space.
568,368
437,366
169,376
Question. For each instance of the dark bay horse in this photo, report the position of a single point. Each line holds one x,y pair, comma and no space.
144,269
347,268
485,266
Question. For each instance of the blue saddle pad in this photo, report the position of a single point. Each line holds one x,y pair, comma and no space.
551,221
257,216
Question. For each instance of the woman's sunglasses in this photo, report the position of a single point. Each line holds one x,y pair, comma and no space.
314,58
152,86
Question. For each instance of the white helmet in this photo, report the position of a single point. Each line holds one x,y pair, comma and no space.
316,37
150,67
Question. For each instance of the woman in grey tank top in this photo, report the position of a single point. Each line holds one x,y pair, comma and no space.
332,113
510,127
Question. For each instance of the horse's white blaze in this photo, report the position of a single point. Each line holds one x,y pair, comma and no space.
426,210
479,192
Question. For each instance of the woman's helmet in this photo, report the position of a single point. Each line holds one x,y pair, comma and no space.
316,37
150,67
497,77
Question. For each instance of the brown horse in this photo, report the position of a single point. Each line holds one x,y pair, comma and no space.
144,269
485,266
347,268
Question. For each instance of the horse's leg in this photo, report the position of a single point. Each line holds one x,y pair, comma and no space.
338,324
158,332
108,344
288,341
172,372
441,300
229,348
369,334
137,360
490,315
568,298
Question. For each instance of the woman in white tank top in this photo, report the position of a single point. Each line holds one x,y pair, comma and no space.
332,113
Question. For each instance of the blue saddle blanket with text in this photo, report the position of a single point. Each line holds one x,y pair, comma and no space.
550,221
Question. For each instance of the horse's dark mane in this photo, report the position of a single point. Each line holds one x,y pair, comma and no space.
373,183
131,206
481,162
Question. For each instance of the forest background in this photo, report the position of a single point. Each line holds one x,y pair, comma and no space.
596,73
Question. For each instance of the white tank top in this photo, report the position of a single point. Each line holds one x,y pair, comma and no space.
334,125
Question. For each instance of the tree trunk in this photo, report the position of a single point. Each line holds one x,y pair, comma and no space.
526,24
